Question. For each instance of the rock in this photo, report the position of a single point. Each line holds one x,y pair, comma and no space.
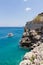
36,62
37,37
25,62
33,33
30,39
35,56
41,39
41,63
35,45
25,42
25,34
33,39
38,43
29,55
26,29
26,39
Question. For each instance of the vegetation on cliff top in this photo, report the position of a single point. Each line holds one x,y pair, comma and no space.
38,18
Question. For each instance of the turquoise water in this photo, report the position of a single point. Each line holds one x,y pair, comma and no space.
10,52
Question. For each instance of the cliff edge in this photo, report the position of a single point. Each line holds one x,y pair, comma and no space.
33,33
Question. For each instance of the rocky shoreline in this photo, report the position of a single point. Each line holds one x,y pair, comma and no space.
34,57
33,39
33,33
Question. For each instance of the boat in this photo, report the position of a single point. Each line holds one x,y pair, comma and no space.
10,34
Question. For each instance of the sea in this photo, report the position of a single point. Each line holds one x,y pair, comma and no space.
10,51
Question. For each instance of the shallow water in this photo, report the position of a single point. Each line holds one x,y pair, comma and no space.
10,52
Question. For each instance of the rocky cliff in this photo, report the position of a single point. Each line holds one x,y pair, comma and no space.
33,32
33,38
34,57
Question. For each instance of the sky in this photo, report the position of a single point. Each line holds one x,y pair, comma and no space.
15,13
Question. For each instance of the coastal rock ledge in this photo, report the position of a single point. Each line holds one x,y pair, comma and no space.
33,33
34,57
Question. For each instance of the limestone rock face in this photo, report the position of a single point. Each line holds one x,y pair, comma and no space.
34,57
25,62
33,32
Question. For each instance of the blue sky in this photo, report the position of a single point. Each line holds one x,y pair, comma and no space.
18,12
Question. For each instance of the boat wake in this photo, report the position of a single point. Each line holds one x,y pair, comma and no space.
3,37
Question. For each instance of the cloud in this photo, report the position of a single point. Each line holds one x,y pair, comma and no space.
25,0
28,9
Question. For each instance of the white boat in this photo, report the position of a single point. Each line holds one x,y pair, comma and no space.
10,34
